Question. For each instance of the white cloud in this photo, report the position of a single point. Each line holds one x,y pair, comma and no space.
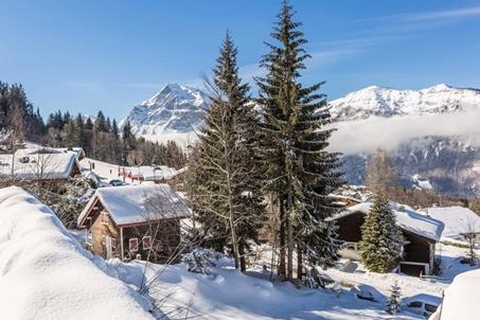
389,133
445,14
429,16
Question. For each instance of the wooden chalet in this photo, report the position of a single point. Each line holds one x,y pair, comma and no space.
421,233
131,222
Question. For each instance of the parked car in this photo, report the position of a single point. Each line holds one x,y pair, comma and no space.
423,304
116,182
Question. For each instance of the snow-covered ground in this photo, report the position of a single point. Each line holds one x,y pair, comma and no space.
46,275
229,294
450,257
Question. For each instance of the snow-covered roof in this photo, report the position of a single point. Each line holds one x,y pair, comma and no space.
457,220
138,204
33,165
461,298
407,218
46,274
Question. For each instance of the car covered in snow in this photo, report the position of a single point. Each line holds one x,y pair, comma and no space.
366,292
423,304
116,183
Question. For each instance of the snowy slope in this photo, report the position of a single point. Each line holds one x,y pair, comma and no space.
174,109
388,102
46,275
227,294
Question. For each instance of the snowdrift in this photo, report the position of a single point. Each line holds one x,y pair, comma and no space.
46,274
461,298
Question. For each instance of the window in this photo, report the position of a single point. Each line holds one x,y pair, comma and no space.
430,308
415,304
114,243
133,244
104,217
147,243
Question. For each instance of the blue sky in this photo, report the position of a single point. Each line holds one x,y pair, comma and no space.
84,56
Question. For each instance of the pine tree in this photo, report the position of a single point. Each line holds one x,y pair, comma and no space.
394,302
89,124
382,239
100,124
70,135
108,125
115,128
223,180
300,173
128,141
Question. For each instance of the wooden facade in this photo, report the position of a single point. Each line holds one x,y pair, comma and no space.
156,240
419,252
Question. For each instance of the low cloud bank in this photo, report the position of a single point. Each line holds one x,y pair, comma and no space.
367,135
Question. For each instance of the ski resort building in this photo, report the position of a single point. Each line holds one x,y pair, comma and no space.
421,233
131,222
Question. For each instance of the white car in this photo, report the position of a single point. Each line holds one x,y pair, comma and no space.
423,304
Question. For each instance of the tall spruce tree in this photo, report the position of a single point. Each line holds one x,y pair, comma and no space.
300,173
382,239
223,178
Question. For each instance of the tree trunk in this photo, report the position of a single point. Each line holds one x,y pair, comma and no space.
299,261
281,266
241,251
289,249
234,239
289,237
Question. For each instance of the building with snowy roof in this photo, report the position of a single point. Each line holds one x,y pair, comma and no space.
459,222
420,231
134,220
40,165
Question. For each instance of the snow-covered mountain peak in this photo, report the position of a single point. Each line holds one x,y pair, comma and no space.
175,108
387,102
439,88
175,91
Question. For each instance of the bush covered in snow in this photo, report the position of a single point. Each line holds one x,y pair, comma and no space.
200,260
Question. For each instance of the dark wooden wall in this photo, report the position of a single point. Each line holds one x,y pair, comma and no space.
349,227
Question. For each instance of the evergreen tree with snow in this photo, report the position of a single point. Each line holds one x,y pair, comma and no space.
223,178
300,172
382,239
394,302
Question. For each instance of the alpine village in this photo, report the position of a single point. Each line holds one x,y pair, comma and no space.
244,196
